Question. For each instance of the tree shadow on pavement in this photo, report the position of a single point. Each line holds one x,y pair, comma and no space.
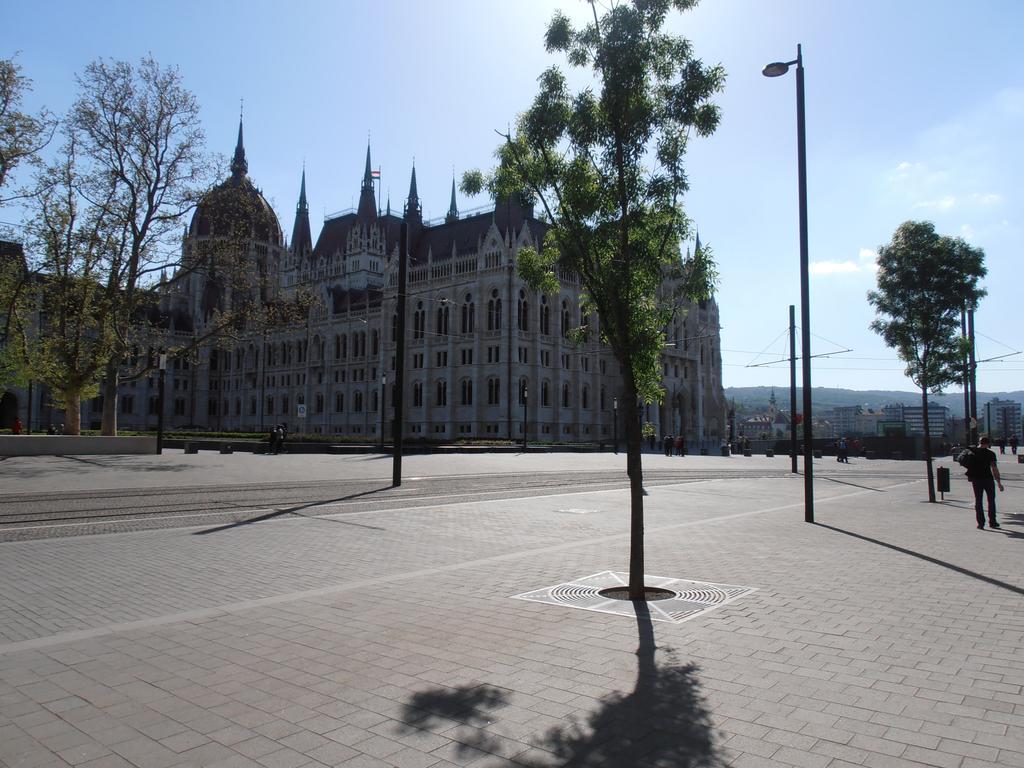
663,721
929,559
297,512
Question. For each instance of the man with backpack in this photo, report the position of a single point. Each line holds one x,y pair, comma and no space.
984,476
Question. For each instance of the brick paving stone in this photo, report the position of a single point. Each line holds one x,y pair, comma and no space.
869,641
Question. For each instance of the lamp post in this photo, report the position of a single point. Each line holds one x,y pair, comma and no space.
160,404
383,398
615,422
526,397
776,69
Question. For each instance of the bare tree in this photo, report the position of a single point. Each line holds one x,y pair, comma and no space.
139,129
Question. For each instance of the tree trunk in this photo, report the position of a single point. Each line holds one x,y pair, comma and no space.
109,390
927,445
72,414
634,468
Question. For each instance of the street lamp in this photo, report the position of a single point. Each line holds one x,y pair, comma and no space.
776,69
383,397
615,422
160,403
526,397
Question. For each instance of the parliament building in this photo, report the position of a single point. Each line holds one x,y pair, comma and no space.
487,357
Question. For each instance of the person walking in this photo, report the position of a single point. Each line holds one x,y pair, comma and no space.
984,477
679,445
16,426
667,443
844,451
1002,444
1013,444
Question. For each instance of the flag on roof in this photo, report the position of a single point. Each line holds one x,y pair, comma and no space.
375,174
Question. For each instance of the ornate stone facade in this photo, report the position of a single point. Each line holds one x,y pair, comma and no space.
478,337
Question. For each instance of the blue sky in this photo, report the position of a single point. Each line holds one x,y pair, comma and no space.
915,110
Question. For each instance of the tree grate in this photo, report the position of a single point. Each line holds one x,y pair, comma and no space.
691,598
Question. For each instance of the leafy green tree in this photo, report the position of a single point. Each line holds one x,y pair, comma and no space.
924,281
60,329
606,166
22,135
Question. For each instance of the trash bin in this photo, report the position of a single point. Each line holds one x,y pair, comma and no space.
943,478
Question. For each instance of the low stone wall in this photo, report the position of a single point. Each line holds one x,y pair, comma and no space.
72,445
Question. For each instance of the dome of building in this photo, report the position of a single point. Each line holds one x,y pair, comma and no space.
236,208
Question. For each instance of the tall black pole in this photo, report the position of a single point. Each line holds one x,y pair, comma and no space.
526,398
805,299
398,423
383,399
615,423
792,389
28,417
160,404
972,366
967,382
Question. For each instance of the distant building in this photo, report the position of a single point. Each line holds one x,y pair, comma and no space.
912,417
844,420
1002,418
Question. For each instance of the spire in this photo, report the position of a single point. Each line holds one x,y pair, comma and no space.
239,165
412,205
367,210
302,240
696,247
453,210
368,173
303,206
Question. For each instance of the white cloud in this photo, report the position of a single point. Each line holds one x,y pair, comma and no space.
866,263
967,231
989,198
868,259
942,204
833,267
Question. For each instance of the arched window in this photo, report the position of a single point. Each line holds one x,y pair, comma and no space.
337,347
468,314
494,391
523,312
494,312
417,394
319,402
441,327
565,395
442,392
545,316
467,391
357,404
585,396
375,342
339,402
419,321
566,322
545,394
373,401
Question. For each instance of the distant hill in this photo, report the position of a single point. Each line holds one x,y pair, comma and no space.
755,399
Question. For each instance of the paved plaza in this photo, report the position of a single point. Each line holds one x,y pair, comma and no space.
889,634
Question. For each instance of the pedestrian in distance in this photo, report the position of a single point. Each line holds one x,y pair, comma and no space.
1013,444
16,426
679,445
667,443
272,442
984,476
1002,444
844,451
